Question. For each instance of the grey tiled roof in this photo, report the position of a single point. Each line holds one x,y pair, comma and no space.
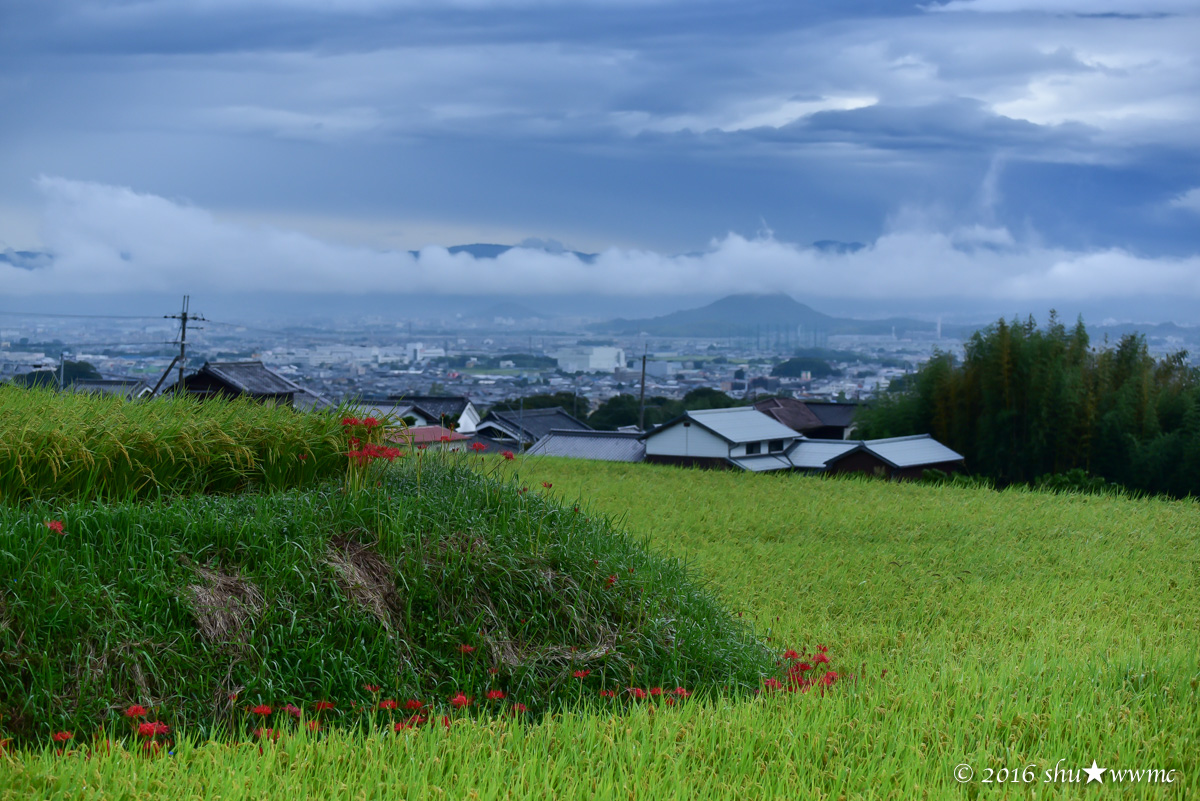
833,414
531,425
792,413
741,424
912,451
814,454
762,464
252,378
605,446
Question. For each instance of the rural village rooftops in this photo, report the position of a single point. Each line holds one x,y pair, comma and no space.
608,446
915,450
250,378
739,424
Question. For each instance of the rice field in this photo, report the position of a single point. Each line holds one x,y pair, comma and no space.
1017,637
79,446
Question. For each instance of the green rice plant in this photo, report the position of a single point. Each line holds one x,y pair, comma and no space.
78,446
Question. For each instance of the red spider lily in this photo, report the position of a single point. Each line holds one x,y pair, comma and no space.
55,526
791,654
637,693
302,456
682,693
261,709
523,490
322,706
829,678
354,442
611,580
478,446
149,729
669,701
416,720
656,691
821,659
444,438
466,649
388,703
608,694
422,447
351,421
773,684
136,711
459,701
581,674
371,688
518,708
401,725
293,710
446,722
547,484
61,736
267,734
370,422
495,695
508,455
823,648
313,725
413,704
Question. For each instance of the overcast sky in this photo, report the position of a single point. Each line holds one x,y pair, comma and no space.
1023,152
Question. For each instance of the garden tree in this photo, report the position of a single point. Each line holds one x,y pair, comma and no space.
707,398
573,404
70,371
1028,402
623,410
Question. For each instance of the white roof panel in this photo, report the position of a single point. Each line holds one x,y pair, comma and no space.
742,424
813,454
912,451
762,464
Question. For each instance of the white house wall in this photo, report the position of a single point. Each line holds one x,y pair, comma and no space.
681,440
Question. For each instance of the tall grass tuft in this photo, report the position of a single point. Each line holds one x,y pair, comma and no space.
201,606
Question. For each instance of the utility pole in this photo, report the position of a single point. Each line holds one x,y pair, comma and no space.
62,369
181,359
642,401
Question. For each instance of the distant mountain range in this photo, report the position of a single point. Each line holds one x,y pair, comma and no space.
486,251
750,315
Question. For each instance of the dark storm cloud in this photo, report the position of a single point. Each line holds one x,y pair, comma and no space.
649,125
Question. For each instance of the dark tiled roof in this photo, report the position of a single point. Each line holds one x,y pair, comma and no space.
792,413
833,414
535,423
251,378
436,406
607,446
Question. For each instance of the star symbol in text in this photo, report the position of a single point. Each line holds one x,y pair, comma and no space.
1094,773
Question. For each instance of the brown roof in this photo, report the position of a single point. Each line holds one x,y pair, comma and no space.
791,412
423,435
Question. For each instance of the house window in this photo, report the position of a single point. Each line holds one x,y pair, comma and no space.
775,445
753,448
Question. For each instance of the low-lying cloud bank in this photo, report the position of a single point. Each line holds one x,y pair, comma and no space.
108,239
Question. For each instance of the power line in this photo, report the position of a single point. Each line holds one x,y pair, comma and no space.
88,316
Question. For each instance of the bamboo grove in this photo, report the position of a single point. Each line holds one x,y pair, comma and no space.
1028,404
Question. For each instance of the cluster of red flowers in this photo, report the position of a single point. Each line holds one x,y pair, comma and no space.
368,422
802,672
366,452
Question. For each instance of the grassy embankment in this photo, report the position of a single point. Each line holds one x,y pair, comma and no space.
1015,629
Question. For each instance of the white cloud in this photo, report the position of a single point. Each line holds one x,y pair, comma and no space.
112,239
1071,6
1189,200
